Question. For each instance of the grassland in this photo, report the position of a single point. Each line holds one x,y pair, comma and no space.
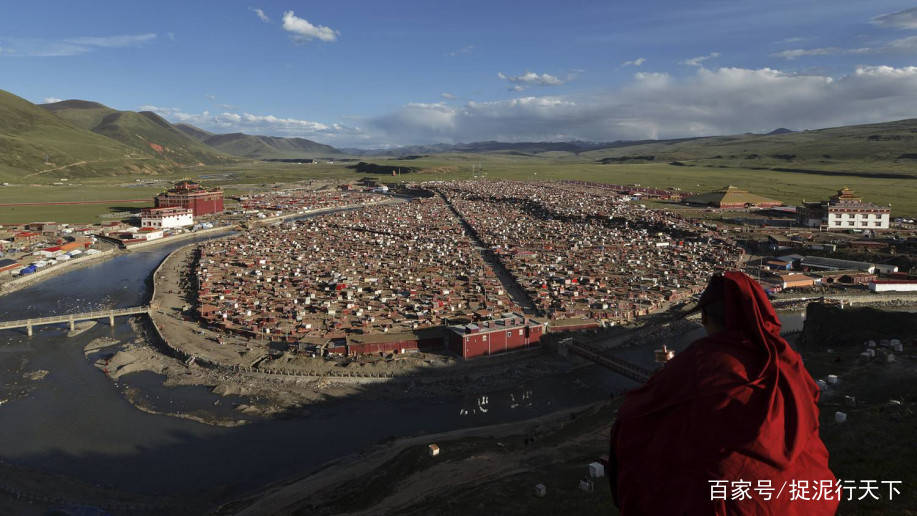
789,187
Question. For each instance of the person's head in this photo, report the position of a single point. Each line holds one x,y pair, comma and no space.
712,317
713,311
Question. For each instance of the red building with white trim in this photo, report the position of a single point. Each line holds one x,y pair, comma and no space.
512,331
191,195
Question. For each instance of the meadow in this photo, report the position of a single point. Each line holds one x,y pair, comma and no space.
790,187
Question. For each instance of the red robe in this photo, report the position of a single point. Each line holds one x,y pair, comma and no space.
736,406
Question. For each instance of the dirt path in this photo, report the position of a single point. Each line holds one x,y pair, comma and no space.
77,163
515,290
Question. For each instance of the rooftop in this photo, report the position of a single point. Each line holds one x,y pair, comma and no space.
731,196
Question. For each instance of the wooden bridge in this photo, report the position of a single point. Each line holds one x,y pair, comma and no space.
74,318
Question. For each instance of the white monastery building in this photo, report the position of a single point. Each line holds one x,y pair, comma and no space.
843,211
166,218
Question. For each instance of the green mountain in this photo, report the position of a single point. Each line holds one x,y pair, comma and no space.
887,146
265,147
193,132
34,141
259,147
146,132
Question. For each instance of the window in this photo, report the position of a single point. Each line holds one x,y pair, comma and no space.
509,334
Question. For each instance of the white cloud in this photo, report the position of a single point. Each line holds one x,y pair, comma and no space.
304,31
532,79
636,62
260,14
446,95
464,50
697,61
653,105
52,100
802,52
38,47
906,19
112,41
906,45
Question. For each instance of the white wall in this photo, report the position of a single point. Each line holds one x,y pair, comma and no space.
168,221
893,287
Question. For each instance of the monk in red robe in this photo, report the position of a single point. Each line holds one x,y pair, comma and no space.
728,426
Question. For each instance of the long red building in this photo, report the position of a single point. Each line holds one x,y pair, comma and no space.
513,331
193,196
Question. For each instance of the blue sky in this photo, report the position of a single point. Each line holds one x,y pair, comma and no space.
373,73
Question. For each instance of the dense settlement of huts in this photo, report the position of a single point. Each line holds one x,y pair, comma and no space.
579,254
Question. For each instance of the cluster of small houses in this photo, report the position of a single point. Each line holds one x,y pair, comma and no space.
383,268
368,278
582,253
299,200
801,272
39,245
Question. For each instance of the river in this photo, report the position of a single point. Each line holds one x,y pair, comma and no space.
74,422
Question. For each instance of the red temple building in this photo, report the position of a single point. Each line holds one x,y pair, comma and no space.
512,331
193,196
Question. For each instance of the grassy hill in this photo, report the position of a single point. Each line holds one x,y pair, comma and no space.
259,147
146,132
887,147
262,147
34,142
193,132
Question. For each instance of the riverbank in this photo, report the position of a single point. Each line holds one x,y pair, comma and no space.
73,264
177,238
20,283
83,261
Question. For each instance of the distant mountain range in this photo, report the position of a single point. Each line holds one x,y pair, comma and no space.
83,138
486,146
519,148
145,132
258,147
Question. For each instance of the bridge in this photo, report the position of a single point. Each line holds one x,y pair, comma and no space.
74,318
622,367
